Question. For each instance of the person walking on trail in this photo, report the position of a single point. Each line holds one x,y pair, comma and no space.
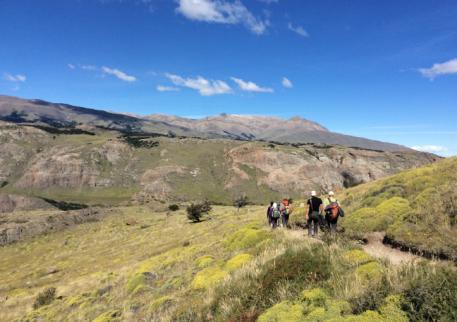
315,208
269,213
332,211
285,212
275,215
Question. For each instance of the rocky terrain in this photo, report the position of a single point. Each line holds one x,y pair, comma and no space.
19,225
110,167
238,127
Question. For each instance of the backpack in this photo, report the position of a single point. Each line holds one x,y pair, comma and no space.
333,210
276,213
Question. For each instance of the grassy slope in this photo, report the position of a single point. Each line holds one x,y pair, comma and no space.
111,253
137,264
417,208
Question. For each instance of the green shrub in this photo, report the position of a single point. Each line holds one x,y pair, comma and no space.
45,297
431,296
196,211
282,277
241,202
173,207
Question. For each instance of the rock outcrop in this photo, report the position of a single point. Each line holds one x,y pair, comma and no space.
15,227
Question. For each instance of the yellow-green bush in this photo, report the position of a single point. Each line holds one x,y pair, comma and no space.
393,207
208,277
315,296
245,237
391,311
204,261
356,257
237,261
369,272
284,311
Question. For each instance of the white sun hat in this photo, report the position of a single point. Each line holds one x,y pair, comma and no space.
331,193
313,193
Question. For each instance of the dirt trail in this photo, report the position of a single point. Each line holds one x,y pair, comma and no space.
373,247
377,249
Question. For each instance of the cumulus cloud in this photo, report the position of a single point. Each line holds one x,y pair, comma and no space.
251,86
162,88
18,78
71,66
287,83
298,30
119,74
448,67
221,11
430,148
204,86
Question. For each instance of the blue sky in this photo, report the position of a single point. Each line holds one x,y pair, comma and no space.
385,70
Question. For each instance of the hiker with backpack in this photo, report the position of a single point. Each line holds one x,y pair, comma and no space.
313,215
275,215
269,213
286,210
333,210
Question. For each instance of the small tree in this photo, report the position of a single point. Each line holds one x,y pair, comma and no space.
196,211
241,202
173,207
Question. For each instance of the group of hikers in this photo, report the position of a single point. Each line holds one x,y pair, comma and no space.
318,212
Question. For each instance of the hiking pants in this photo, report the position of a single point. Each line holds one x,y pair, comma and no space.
313,223
331,224
274,222
285,220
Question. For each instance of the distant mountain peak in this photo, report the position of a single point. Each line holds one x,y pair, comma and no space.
231,126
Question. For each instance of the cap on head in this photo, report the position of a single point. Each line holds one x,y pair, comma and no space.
313,193
331,193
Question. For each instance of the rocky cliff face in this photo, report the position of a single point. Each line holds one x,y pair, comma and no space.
108,167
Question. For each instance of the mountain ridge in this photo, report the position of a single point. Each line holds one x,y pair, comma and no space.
231,126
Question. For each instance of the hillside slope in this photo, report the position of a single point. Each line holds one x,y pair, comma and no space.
136,265
417,209
109,167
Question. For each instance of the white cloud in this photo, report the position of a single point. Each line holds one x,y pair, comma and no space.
251,86
287,83
119,74
18,78
430,148
449,67
162,88
298,30
221,11
88,67
204,86
71,66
